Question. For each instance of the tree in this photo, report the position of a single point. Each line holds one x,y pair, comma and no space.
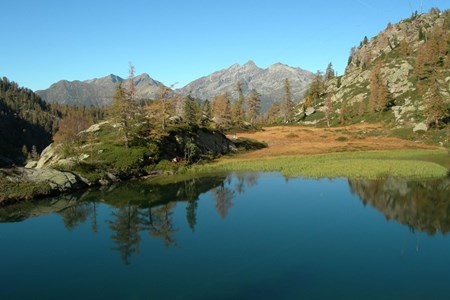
287,107
205,117
329,72
253,106
221,112
70,125
379,93
328,108
190,110
436,105
237,111
120,111
343,113
273,113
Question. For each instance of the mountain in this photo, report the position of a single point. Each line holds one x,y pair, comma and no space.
268,82
97,92
400,77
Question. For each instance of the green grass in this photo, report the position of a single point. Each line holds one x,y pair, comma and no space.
369,165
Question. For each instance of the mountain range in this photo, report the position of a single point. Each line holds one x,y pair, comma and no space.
268,82
98,91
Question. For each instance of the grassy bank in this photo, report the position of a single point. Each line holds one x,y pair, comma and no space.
369,165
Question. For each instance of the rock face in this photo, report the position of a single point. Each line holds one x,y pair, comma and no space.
268,82
97,92
206,142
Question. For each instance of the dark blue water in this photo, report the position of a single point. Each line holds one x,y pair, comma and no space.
248,236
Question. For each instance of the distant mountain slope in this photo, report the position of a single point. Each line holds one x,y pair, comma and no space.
268,82
97,92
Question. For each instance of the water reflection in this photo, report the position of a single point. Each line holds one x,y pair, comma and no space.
421,205
137,209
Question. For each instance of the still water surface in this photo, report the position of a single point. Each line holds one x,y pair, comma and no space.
244,236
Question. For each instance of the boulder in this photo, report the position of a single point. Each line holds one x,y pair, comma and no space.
420,127
309,111
56,180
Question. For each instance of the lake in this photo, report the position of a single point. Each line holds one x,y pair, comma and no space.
234,236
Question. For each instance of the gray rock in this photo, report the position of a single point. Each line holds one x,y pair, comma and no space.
57,181
420,127
309,111
31,164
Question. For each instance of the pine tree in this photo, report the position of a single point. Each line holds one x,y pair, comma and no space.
221,111
329,72
205,118
379,93
190,111
120,111
254,106
328,108
273,113
343,113
287,107
237,111
436,106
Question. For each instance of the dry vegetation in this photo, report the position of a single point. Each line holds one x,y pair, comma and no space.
298,140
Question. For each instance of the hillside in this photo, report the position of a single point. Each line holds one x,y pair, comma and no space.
26,123
400,77
268,82
97,92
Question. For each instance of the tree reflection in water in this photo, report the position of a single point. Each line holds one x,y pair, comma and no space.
422,205
125,227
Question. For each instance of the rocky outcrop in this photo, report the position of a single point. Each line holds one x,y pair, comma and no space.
56,180
26,184
391,56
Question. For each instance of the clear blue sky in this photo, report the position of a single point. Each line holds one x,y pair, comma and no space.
178,41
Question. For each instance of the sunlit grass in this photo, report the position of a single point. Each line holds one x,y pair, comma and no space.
370,164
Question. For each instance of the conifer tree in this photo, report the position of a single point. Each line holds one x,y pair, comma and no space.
254,106
287,107
221,111
237,111
437,107
190,110
205,118
328,108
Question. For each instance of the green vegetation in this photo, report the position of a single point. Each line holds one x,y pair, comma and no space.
11,191
369,165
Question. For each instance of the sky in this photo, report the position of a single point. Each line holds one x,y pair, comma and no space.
179,41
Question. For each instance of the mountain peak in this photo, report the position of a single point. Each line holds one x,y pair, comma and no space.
250,63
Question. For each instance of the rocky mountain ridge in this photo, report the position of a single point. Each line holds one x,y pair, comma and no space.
268,82
97,92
